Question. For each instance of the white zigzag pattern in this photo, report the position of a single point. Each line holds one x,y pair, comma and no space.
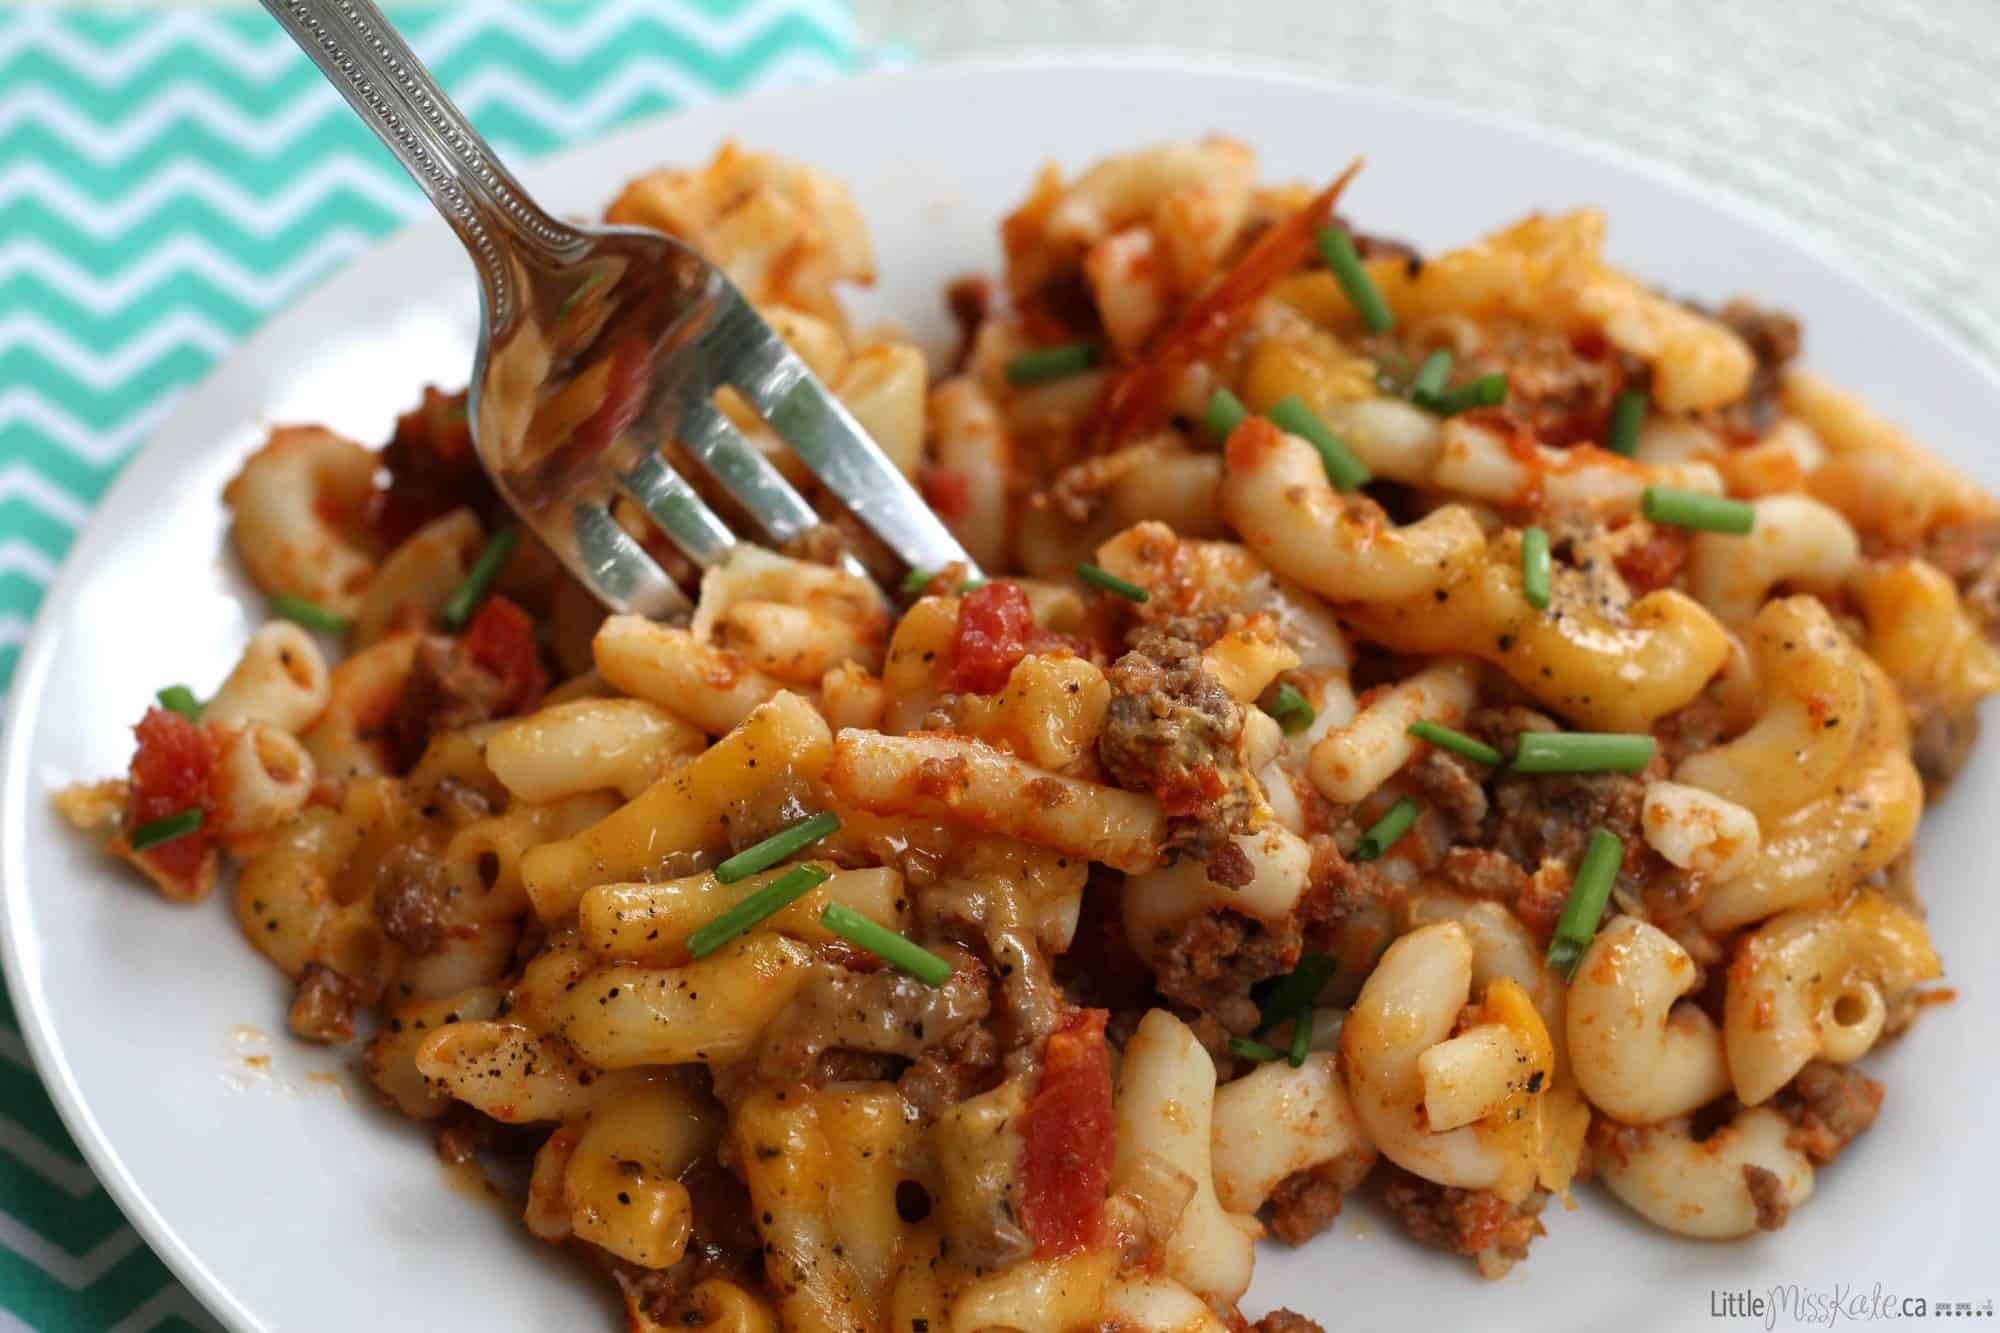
182,253
13,633
100,447
260,216
106,65
72,1178
73,1271
107,145
106,367
18,480
567,41
607,101
17,557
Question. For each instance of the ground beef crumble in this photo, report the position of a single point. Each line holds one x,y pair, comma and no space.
411,899
1550,816
324,1006
1211,963
1287,1321
1941,739
1774,339
1561,388
1478,1223
1172,731
1829,1106
1306,1202
1451,785
1481,873
1767,1193
443,692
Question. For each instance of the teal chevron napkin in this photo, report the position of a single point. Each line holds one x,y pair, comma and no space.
167,182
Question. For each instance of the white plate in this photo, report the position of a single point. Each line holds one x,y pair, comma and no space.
287,1204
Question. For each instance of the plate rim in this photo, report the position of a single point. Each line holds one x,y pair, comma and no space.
44,1043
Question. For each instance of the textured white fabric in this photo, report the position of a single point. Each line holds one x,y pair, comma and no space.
1874,123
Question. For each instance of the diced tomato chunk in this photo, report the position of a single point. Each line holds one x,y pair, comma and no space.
624,398
1068,1138
995,629
172,770
430,469
501,639
947,491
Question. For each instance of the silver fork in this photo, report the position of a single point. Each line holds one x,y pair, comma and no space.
628,323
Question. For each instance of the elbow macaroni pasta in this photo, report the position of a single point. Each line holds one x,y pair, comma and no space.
1126,819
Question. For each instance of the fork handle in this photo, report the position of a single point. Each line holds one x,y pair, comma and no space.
364,57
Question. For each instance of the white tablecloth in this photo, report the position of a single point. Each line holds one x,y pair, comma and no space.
1875,123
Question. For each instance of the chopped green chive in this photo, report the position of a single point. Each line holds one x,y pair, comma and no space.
1457,742
180,699
1627,415
1588,893
1254,1050
1110,582
1432,378
1281,997
1486,391
774,897
165,829
1291,710
917,580
1343,469
780,846
971,584
1390,827
1336,247
472,588
885,944
310,614
1685,509
1225,413
1050,363
1302,1035
1581,752
1535,567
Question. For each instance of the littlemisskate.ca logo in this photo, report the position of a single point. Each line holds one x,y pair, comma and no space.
1792,1305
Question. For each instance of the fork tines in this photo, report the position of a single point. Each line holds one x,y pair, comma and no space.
737,349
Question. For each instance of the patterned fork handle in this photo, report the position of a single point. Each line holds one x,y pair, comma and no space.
382,79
